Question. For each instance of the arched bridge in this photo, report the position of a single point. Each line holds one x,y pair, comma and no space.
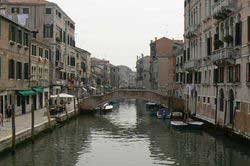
95,101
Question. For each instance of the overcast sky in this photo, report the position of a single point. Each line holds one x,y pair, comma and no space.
119,30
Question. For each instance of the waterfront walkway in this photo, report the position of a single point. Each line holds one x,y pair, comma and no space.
23,125
23,122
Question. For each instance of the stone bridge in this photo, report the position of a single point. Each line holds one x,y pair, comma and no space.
92,102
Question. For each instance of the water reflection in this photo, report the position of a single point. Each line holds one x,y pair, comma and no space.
127,136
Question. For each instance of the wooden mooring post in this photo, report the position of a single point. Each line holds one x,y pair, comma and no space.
75,105
13,120
48,114
32,123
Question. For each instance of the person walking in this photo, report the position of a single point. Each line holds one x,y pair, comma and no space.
8,112
1,119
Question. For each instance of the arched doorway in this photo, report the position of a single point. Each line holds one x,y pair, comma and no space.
231,106
221,100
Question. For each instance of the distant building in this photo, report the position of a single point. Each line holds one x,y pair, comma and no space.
143,72
123,77
162,63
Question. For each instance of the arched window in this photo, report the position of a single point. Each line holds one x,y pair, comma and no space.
221,100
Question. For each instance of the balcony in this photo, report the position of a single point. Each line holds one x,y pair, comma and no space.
223,8
191,65
59,65
227,55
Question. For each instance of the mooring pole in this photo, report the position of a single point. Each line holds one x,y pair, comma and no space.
13,129
75,105
48,113
32,123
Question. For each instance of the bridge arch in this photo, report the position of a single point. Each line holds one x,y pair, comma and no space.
95,101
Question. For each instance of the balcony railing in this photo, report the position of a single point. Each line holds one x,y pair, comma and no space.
224,54
191,65
222,8
59,65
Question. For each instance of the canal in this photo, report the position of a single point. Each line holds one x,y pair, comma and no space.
128,136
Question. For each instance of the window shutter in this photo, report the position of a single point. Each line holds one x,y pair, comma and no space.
248,28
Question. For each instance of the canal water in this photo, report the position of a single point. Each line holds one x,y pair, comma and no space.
128,136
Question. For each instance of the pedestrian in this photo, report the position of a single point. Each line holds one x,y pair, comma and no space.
8,112
1,119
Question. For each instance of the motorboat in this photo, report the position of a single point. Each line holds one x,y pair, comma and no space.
107,107
178,124
195,124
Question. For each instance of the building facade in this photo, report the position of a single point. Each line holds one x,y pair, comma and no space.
216,62
162,63
143,72
54,27
19,68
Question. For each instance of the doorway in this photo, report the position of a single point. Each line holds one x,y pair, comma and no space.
231,106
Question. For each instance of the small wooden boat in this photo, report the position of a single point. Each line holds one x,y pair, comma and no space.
179,124
195,124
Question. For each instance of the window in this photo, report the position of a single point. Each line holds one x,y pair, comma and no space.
15,10
0,26
237,73
248,28
237,106
26,71
0,66
48,10
64,36
209,48
204,99
33,50
11,69
48,31
18,100
248,72
40,52
25,39
12,33
26,10
46,54
20,36
230,74
72,61
208,100
238,33
221,75
216,75
19,70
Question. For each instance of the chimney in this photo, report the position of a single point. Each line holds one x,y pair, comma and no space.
151,41
155,38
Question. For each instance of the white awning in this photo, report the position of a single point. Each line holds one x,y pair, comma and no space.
62,95
84,89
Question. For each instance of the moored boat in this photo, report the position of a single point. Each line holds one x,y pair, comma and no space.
152,108
195,124
163,113
179,124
